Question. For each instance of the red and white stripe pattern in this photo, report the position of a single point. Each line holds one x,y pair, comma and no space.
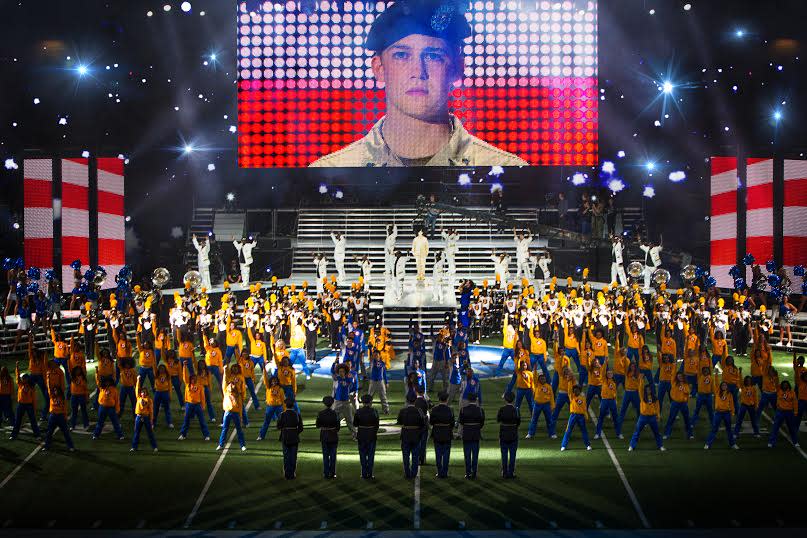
759,211
75,216
723,219
794,231
38,214
111,231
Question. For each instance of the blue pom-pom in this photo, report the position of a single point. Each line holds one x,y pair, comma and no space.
50,275
700,272
774,281
739,283
798,270
748,259
76,265
804,288
8,263
711,282
89,275
770,265
735,272
19,264
33,287
34,273
776,293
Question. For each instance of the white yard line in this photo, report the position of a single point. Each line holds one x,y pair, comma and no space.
416,521
216,467
621,473
21,465
783,434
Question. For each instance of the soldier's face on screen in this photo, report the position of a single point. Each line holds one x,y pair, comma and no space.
417,72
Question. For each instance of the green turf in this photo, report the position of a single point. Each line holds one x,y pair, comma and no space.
102,485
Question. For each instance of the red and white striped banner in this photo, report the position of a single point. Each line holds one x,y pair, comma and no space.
38,213
75,217
723,219
759,211
794,232
111,230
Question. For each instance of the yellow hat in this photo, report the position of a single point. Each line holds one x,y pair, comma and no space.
273,298
137,288
762,309
226,285
274,279
585,272
305,283
721,302
485,283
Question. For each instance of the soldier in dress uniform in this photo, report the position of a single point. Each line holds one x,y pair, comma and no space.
423,405
328,424
442,421
290,425
472,419
366,422
417,55
412,422
509,420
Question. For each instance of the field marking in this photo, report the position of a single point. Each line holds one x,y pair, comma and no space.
783,434
621,473
216,467
19,467
416,522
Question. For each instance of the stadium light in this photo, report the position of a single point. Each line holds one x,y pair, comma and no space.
230,197
667,87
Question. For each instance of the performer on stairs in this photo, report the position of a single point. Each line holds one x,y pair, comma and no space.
389,250
339,246
203,260
420,250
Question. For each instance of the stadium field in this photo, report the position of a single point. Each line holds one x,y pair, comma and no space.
188,485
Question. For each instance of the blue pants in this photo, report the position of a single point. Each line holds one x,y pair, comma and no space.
127,393
648,375
235,420
5,409
579,420
508,450
411,458
78,402
591,391
257,360
716,359
272,413
57,421
162,398
620,380
537,411
752,414
675,408
367,459
329,459
561,401
297,355
693,383
788,419
735,392
643,421
663,389
540,360
506,354
471,452
629,398
103,413
442,454
39,381
194,410
178,390
215,371
229,351
721,417
520,395
703,400
801,412
289,460
143,422
251,388
288,392
209,404
27,409
146,373
608,407
633,354
767,398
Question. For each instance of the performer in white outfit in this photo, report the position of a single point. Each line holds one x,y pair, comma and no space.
389,249
617,263
501,266
652,261
543,265
203,260
522,241
420,250
451,238
366,266
321,265
438,276
399,273
244,249
339,245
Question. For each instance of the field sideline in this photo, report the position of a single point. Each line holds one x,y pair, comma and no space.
102,486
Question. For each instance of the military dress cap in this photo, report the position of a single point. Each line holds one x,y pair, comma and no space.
367,399
437,18
472,397
328,401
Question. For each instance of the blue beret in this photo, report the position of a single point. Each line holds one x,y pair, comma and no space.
437,18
